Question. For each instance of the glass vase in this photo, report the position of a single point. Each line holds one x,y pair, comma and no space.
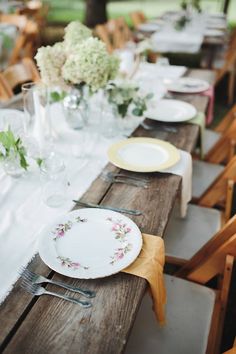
75,107
11,165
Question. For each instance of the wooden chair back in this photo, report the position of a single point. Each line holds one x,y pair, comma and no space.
103,33
137,18
216,192
15,75
27,43
224,149
229,67
122,33
35,10
226,121
216,258
17,20
207,253
27,40
115,33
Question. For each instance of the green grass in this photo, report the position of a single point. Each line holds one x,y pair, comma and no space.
67,10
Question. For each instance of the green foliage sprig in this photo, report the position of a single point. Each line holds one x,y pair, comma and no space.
9,145
123,95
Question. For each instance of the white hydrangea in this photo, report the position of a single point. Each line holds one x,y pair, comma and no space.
75,33
90,63
50,60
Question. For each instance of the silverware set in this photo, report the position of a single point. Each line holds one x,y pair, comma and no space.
31,283
164,128
119,210
125,179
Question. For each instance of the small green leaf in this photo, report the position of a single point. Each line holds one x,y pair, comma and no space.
24,164
122,109
56,96
137,112
149,96
39,161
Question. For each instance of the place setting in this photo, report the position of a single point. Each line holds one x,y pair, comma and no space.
112,189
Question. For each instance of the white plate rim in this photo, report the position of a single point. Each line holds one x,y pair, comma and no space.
114,158
205,86
43,234
170,101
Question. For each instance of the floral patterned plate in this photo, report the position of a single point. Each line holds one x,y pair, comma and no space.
90,243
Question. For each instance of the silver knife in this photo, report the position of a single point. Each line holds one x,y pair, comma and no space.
119,210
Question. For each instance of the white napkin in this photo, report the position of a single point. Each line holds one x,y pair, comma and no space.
184,169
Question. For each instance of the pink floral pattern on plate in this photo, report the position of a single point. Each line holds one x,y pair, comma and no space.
59,232
121,231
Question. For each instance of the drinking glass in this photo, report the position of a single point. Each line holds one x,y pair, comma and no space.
37,121
54,181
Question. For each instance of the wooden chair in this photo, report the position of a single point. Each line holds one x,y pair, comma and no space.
115,33
210,182
28,38
194,313
103,33
184,237
122,33
19,21
137,18
229,67
219,144
16,75
35,10
27,43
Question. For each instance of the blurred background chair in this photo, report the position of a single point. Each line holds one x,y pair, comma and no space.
137,18
14,76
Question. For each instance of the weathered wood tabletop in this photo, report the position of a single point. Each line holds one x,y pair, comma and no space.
50,325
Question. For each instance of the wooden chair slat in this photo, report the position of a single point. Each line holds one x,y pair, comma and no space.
222,236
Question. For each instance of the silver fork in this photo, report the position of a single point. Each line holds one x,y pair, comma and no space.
125,181
39,279
163,128
122,175
36,289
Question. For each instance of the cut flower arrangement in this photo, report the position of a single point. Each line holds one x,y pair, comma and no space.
79,60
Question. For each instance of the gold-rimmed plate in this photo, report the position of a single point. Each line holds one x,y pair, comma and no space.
143,154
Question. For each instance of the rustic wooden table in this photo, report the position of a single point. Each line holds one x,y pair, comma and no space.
50,325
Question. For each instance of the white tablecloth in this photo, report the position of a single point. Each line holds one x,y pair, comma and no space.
22,210
176,41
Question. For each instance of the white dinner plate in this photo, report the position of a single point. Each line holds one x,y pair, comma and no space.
188,85
90,243
143,154
171,111
148,27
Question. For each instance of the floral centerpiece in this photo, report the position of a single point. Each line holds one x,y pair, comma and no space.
79,62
